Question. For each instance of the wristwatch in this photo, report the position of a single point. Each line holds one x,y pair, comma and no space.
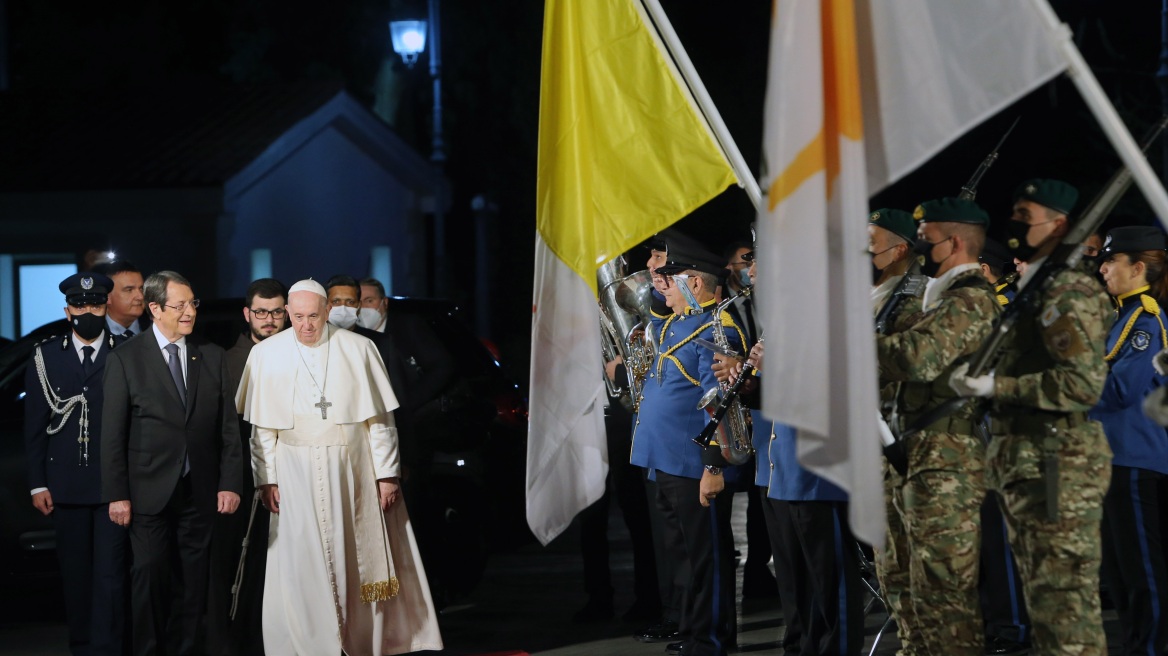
716,471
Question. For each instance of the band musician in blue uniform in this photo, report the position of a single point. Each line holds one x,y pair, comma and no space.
697,536
1133,262
62,423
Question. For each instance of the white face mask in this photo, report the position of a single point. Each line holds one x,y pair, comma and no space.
368,318
343,317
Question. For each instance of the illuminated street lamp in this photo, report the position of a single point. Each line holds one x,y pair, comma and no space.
409,40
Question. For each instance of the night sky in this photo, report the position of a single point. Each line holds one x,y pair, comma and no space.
491,65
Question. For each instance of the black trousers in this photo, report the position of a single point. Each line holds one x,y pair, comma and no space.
758,545
1003,606
818,571
1133,559
701,537
95,557
627,482
168,608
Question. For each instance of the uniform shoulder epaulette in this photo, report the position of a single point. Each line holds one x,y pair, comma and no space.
1150,304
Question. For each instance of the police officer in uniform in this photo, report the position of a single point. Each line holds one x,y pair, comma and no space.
1133,262
942,492
1049,462
697,538
815,555
62,426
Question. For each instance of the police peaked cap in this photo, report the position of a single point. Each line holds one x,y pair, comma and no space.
951,210
687,253
996,255
1055,194
86,288
897,222
1133,239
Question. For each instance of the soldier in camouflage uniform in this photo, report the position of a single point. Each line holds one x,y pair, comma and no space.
940,498
1049,462
891,234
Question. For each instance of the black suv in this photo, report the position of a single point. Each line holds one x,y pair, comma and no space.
464,482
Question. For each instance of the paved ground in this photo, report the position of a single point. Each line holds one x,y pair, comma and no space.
524,604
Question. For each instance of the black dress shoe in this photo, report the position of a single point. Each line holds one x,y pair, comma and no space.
594,611
675,648
663,632
999,646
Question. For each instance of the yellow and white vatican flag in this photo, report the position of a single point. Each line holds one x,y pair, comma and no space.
623,153
860,93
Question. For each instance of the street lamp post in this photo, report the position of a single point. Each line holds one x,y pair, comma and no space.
409,40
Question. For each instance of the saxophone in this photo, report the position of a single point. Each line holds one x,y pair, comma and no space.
733,432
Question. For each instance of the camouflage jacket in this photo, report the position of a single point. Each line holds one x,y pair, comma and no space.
1054,358
922,354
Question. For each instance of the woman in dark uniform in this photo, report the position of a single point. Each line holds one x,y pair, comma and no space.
1133,262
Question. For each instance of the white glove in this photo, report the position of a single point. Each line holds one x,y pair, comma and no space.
964,385
1160,362
1155,406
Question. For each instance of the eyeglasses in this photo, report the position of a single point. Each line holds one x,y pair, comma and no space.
263,314
181,307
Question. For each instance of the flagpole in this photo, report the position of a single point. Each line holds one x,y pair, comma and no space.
1096,99
746,179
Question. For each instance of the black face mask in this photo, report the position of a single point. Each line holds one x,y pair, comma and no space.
88,326
925,250
1017,232
877,271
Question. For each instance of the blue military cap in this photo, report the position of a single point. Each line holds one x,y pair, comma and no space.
86,288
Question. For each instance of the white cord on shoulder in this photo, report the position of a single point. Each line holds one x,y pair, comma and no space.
64,408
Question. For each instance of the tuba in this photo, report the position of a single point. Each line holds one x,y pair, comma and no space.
733,430
624,302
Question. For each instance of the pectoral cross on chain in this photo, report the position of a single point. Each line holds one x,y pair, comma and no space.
324,406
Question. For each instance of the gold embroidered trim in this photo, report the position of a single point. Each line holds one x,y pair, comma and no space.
379,591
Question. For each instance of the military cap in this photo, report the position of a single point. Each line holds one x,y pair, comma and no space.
1055,194
656,242
951,210
1133,239
86,288
897,222
686,253
996,255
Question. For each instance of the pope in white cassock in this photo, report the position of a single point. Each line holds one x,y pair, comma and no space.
343,568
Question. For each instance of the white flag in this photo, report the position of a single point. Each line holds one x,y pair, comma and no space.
860,93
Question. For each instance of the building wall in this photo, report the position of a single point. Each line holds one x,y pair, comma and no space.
321,211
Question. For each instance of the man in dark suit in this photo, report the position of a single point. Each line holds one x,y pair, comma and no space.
125,314
61,431
170,459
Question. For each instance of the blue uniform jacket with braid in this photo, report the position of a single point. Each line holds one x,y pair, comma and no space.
669,418
1135,338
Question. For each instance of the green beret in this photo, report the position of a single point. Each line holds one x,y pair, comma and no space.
951,210
1055,194
897,222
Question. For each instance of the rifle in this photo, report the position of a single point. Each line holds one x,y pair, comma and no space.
1066,255
969,190
913,285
